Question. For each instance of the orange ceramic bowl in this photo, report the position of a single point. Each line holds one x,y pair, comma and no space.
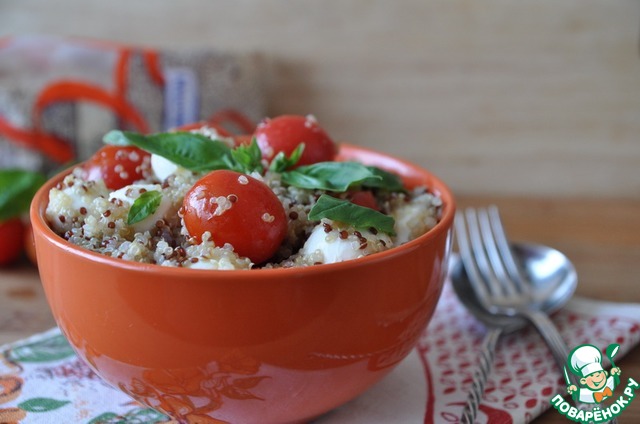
259,346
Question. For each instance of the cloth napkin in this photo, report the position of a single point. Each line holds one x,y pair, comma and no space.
44,382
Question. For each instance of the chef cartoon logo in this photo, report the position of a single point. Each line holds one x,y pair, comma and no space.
591,385
596,384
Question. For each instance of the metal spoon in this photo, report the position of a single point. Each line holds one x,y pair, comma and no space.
553,281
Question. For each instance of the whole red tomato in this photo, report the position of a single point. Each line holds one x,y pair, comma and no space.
285,133
236,209
118,166
12,237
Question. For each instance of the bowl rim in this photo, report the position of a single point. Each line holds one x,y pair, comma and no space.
41,227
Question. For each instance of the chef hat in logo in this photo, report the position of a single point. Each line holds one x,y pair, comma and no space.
585,360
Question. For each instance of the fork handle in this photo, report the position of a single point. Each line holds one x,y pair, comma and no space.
552,337
487,354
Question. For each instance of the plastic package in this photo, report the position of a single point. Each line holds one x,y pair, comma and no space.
59,96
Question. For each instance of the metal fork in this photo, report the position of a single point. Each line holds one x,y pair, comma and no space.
501,289
499,283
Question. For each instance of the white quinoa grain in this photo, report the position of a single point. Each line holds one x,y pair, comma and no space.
266,217
310,121
223,205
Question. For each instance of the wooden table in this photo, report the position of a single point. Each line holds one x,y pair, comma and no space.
602,238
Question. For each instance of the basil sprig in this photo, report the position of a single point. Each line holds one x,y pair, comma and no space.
245,159
195,152
349,213
17,187
145,205
281,162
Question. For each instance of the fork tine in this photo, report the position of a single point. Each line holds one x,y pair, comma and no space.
480,254
466,255
489,241
506,255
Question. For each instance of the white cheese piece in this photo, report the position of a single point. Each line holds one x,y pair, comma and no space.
162,167
334,248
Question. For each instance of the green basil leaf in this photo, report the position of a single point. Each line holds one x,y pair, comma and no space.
245,159
195,152
387,180
144,206
17,187
331,176
281,162
346,212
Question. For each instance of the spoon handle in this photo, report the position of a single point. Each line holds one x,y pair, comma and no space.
487,353
551,336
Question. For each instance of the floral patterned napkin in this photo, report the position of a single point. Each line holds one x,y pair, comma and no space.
43,381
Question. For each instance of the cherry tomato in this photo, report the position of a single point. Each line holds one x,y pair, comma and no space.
236,209
12,236
364,198
286,132
118,166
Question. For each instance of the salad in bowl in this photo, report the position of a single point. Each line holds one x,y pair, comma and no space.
198,199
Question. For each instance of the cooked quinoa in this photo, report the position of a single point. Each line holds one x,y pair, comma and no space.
88,214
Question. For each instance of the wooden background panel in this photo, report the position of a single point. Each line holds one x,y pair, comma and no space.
535,97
